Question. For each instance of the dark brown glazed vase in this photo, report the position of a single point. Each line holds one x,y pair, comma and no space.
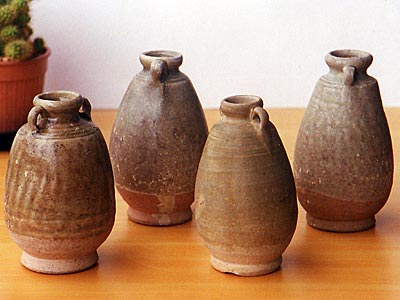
343,160
59,195
245,200
157,140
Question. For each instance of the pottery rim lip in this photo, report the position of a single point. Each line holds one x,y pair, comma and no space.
240,105
173,59
59,100
338,59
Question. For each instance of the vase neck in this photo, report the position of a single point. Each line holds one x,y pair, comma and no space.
171,59
240,106
61,106
338,60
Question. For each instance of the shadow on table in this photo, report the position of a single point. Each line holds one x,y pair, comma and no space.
6,139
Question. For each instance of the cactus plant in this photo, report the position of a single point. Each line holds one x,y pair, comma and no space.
20,5
8,14
18,50
15,32
39,46
9,33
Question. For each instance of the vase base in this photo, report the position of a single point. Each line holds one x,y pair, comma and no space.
245,270
340,226
169,219
59,266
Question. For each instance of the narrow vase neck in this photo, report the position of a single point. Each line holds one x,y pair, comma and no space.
61,106
240,106
338,60
171,59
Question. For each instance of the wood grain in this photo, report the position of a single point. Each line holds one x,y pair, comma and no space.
142,262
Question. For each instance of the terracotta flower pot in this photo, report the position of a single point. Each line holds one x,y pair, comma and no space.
157,140
59,200
20,82
343,160
245,200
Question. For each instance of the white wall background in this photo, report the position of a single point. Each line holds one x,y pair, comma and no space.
274,49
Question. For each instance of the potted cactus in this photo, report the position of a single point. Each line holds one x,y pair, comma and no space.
23,64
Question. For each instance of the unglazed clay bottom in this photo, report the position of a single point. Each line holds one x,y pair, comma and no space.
59,266
157,210
59,256
340,226
338,215
245,270
159,219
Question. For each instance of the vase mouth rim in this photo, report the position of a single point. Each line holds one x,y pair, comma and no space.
59,100
240,105
173,59
340,58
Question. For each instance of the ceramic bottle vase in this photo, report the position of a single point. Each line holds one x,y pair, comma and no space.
59,195
245,200
157,140
343,161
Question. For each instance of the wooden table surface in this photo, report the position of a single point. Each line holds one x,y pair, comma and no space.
142,262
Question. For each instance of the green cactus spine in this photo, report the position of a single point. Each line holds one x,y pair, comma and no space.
20,5
19,50
8,14
9,33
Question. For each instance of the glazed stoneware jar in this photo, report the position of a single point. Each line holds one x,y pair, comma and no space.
343,160
59,200
157,140
245,200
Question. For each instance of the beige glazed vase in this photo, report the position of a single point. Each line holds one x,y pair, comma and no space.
157,140
245,200
59,195
343,160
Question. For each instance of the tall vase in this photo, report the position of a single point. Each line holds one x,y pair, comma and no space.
245,200
343,160
59,195
157,140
